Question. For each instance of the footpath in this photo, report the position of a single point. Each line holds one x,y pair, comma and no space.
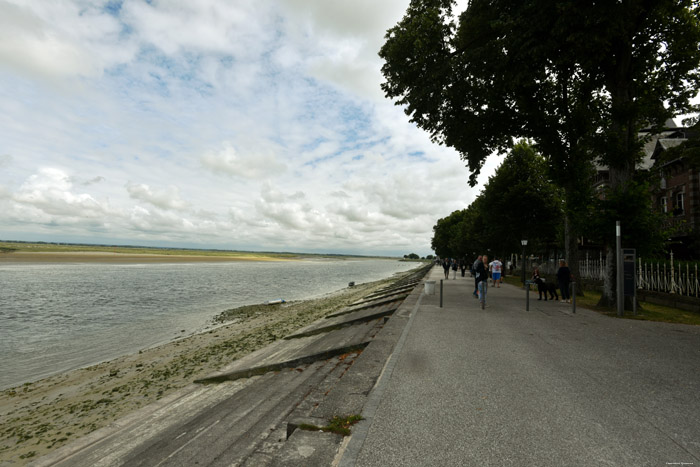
545,387
450,385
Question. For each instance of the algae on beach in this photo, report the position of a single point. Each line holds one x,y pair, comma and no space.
41,416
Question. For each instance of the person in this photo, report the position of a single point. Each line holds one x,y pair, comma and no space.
536,279
482,279
463,266
446,267
496,267
476,281
454,269
564,278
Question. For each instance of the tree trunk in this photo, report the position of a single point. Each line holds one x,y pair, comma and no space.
571,254
609,298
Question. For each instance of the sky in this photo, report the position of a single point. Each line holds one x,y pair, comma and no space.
241,125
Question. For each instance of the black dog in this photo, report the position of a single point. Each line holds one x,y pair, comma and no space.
545,287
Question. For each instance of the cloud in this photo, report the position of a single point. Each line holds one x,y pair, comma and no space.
58,39
50,191
165,198
214,122
257,163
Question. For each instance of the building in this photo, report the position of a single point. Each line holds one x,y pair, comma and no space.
678,193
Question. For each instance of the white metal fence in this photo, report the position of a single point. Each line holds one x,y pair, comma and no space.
681,279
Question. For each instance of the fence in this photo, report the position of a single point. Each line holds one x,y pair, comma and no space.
660,277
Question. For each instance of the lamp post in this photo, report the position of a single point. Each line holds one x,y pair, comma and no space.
523,242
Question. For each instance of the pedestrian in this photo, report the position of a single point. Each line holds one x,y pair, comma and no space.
454,269
446,267
496,268
564,278
476,282
482,279
463,266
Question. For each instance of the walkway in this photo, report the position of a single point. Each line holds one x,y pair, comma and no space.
503,386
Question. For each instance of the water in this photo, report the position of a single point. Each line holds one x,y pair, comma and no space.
58,317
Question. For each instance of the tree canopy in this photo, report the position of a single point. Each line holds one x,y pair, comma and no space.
579,78
519,201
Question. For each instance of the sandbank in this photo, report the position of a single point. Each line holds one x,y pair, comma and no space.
125,258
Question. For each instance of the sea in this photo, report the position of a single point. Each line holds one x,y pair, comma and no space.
59,317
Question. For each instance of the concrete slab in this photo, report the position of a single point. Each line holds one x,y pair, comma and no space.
348,318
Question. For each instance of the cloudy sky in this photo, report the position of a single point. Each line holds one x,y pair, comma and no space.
216,124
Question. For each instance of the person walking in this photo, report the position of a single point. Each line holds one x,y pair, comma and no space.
564,279
476,277
454,269
446,267
482,279
496,269
463,266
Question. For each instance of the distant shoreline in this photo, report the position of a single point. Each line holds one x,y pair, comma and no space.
125,258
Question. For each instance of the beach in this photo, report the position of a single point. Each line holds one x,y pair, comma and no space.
126,258
41,416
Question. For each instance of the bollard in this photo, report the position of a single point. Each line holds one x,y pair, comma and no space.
527,295
573,296
440,293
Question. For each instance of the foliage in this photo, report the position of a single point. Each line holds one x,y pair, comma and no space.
578,78
518,201
641,225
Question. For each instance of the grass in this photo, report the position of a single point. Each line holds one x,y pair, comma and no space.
337,425
645,311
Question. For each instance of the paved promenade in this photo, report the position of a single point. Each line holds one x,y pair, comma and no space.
503,386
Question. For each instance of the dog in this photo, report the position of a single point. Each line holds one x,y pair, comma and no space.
546,287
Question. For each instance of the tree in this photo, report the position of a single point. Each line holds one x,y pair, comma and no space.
518,201
446,234
579,78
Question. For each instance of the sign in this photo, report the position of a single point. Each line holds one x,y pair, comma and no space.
629,257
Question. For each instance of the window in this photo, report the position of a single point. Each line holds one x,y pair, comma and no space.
680,204
664,204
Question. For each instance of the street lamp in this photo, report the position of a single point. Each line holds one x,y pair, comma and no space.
523,242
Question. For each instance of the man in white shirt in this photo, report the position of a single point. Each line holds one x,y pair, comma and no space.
496,267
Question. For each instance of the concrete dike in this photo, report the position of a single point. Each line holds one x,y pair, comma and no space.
250,412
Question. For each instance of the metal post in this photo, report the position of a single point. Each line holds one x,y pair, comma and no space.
620,285
673,279
527,297
441,293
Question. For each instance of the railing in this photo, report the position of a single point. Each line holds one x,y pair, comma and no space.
664,277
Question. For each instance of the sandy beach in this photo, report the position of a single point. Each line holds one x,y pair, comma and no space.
127,258
41,416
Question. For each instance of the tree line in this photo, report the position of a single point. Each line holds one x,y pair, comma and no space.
578,79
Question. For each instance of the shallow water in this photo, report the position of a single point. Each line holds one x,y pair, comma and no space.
57,317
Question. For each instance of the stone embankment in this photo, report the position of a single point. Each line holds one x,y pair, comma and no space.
258,410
